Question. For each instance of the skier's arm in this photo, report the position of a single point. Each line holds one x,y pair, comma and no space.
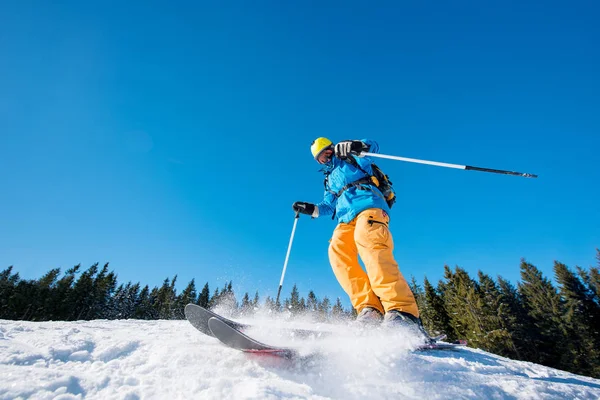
373,147
327,206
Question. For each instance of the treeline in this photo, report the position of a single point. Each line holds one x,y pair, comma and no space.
557,326
536,320
96,294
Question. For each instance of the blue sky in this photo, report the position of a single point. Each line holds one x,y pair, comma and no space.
173,138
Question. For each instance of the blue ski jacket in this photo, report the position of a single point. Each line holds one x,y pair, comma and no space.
353,200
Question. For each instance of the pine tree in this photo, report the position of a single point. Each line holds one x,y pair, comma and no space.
203,299
246,307
312,302
103,288
44,300
172,298
61,305
82,295
270,304
227,299
497,338
545,310
156,304
123,303
595,284
323,309
215,298
582,320
49,279
133,300
145,304
8,278
188,296
516,320
592,279
165,299
8,282
294,302
302,305
23,301
464,305
419,294
337,312
117,303
435,317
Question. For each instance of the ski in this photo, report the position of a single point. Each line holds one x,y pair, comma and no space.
199,317
442,346
235,339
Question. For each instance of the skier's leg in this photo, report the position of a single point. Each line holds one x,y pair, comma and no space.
375,245
343,257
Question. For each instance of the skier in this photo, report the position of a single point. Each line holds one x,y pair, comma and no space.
380,294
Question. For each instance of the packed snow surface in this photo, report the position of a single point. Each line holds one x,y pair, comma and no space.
131,359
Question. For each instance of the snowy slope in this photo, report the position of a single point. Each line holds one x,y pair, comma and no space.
171,360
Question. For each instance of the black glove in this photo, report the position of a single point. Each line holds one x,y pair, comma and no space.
347,147
303,207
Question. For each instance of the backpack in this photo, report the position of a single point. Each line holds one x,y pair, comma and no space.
383,183
379,179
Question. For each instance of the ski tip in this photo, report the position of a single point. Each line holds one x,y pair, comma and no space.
191,309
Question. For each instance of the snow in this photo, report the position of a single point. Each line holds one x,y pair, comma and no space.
131,359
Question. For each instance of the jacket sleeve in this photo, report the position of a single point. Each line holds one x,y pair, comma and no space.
327,205
373,146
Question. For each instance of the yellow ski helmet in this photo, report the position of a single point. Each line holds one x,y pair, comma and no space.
319,145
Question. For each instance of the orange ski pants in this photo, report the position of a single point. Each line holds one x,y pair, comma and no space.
382,286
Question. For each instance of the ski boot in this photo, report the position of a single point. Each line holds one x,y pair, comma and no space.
395,318
369,316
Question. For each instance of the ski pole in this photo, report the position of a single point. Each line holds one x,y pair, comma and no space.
441,164
287,256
